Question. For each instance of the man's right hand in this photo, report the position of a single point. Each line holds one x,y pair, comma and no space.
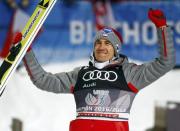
17,38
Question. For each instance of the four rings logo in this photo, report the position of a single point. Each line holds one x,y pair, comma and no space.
101,75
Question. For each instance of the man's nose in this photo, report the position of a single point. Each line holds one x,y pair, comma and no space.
102,45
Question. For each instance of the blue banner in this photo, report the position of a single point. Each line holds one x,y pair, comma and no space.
140,36
69,30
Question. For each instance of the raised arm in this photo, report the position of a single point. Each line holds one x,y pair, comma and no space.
57,83
139,76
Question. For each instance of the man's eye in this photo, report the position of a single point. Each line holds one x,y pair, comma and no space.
97,42
107,43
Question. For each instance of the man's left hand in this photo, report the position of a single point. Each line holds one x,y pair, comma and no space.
157,17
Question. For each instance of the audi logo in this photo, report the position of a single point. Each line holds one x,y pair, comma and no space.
101,75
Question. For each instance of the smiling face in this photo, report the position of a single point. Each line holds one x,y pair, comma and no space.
103,50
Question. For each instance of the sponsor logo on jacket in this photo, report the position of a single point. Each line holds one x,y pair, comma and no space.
89,85
100,75
98,97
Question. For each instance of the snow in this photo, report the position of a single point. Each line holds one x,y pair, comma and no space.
43,111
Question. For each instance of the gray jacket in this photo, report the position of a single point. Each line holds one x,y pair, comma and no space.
96,101
137,76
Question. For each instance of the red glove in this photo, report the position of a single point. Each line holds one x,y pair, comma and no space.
17,38
157,17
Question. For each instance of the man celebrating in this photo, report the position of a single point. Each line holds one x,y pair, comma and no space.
104,91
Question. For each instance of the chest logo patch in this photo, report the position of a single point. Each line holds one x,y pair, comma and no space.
101,75
99,97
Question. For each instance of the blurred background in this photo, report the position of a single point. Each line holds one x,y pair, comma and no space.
65,42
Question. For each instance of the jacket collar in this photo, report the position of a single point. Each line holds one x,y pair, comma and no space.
114,62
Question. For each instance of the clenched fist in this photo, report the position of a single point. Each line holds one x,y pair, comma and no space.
17,38
157,17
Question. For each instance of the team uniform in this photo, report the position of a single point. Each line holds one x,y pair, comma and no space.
104,92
